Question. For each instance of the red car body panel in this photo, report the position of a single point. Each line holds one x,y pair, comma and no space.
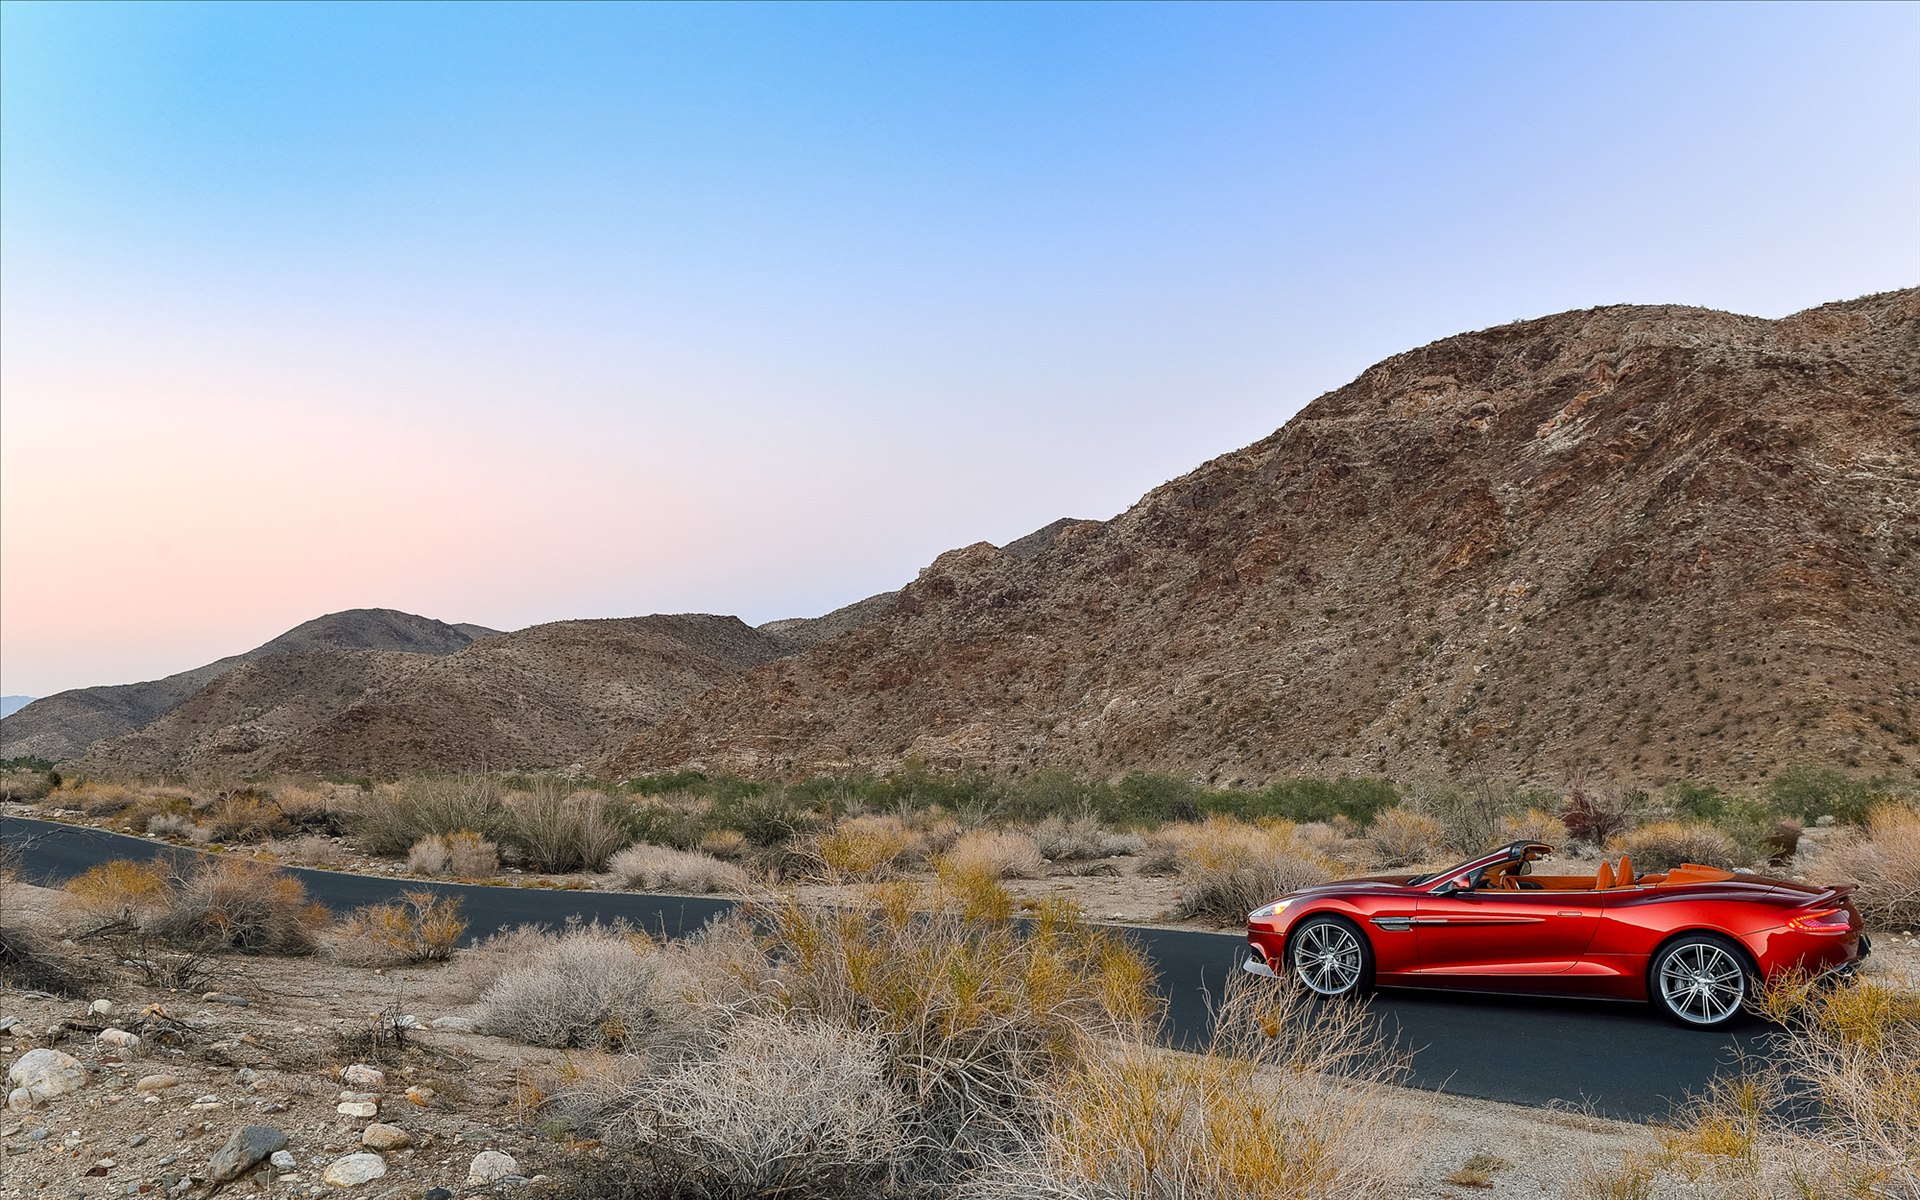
1566,940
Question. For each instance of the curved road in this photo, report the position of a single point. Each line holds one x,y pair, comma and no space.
1619,1059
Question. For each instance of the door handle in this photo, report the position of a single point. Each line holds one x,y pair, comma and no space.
1568,913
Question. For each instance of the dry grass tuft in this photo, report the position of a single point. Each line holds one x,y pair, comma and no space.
867,848
1400,836
1883,863
1480,1168
645,868
1002,853
1281,1106
390,820
422,926
1664,845
1229,867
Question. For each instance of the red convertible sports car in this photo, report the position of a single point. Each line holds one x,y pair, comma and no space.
1694,941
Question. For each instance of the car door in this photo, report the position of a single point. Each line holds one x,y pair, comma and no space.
1502,933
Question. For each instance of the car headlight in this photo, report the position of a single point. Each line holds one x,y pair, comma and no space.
1268,910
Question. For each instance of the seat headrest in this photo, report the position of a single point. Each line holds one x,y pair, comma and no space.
1604,878
1624,877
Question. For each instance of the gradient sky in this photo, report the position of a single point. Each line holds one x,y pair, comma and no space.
515,313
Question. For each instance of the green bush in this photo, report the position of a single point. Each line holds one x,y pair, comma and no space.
1810,792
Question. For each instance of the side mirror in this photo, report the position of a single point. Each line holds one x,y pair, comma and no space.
1456,885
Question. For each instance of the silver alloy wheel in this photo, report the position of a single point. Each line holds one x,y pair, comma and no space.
1327,958
1703,984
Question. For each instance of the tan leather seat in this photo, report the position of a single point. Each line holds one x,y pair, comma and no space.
1624,876
1604,878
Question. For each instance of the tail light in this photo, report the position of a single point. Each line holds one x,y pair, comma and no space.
1824,920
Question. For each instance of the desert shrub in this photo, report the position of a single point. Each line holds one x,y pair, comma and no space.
120,891
564,830
30,959
1758,829
728,844
1307,799
1598,817
1664,845
867,848
179,825
778,1107
462,855
764,818
1229,867
99,799
428,856
27,784
1882,861
318,809
1082,838
676,819
1533,825
1284,1104
246,816
1831,1108
1811,792
586,988
1400,836
422,926
392,819
239,904
1474,818
645,868
1004,853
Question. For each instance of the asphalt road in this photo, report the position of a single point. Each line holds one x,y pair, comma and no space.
1619,1060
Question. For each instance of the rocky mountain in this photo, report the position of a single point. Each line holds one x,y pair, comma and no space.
549,695
63,725
1651,542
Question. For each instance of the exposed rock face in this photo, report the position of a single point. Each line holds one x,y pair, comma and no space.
1652,542
547,696
62,726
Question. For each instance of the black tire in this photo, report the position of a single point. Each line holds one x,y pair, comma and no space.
1330,956
1701,980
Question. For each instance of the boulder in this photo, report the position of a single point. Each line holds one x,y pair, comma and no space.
243,1152
361,1075
45,1073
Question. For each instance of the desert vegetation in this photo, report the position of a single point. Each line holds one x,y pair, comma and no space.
1221,851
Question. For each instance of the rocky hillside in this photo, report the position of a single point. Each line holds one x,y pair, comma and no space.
549,695
1650,542
64,725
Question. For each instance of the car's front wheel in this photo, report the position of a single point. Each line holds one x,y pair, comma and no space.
1330,956
1701,980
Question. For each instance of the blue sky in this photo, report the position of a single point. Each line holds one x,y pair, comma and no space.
509,313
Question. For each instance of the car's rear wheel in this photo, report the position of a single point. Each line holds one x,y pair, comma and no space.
1701,980
1330,955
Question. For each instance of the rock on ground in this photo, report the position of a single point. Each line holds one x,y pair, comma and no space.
45,1073
244,1150
491,1166
355,1169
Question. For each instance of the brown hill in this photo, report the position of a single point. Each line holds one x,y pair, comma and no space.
1649,541
550,695
63,725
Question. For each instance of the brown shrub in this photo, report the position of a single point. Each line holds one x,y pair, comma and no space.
1401,836
1882,861
463,855
392,819
246,816
1229,867
1664,845
120,891
422,926
1534,825
728,844
1005,853
238,904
